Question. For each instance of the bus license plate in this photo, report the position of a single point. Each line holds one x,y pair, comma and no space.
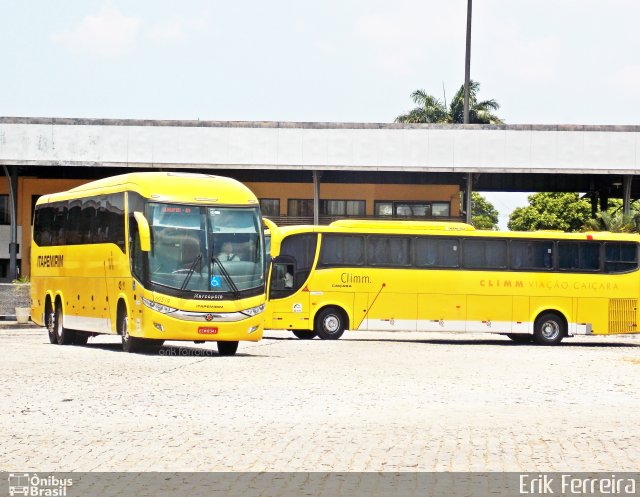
205,330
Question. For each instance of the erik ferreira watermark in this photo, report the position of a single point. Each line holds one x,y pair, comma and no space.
576,484
38,486
186,352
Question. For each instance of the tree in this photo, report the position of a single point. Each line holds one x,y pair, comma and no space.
551,211
615,220
432,110
429,110
484,215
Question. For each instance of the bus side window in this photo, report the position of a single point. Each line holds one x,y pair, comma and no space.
283,277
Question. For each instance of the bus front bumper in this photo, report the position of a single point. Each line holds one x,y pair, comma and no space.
197,326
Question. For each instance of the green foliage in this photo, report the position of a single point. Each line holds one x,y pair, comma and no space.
615,220
21,280
484,215
551,211
432,110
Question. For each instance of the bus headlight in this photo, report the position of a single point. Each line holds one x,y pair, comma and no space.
253,311
164,309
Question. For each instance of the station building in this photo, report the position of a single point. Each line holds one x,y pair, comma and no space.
315,172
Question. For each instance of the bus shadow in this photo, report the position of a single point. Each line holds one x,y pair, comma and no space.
503,342
167,351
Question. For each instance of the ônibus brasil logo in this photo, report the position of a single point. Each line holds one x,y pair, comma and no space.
36,486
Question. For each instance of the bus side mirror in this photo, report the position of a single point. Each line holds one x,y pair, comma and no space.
144,231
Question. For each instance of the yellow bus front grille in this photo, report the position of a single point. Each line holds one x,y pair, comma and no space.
623,315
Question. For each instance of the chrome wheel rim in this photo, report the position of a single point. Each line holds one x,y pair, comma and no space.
125,329
51,323
331,324
58,324
550,330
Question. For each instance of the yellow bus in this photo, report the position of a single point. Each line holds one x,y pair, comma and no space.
385,275
151,257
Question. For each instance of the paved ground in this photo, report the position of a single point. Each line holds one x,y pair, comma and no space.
368,402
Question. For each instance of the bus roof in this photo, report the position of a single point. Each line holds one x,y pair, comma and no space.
414,228
402,225
166,187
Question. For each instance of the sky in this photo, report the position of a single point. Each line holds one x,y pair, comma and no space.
543,61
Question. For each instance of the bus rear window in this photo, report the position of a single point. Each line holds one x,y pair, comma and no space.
620,257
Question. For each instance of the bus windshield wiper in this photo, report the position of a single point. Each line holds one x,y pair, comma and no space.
192,268
226,275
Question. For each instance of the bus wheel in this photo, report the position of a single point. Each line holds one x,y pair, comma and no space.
304,334
549,329
227,348
129,343
64,336
330,323
50,322
521,337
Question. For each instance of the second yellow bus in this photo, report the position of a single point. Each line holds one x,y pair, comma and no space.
429,276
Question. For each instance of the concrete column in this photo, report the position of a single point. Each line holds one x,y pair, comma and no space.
626,199
317,175
467,198
12,178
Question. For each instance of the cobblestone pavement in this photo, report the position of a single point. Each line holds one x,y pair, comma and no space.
368,402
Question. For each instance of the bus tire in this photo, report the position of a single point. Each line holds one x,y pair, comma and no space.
50,321
304,334
549,329
521,337
129,344
64,335
227,348
330,323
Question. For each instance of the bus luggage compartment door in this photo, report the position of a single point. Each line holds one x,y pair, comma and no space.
392,312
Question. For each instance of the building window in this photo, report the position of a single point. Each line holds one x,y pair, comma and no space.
344,208
440,209
5,215
383,209
270,207
300,207
417,210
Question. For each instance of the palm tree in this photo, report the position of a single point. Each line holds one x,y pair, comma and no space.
432,110
479,112
429,110
615,222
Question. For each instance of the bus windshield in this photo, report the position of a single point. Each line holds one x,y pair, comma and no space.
216,249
